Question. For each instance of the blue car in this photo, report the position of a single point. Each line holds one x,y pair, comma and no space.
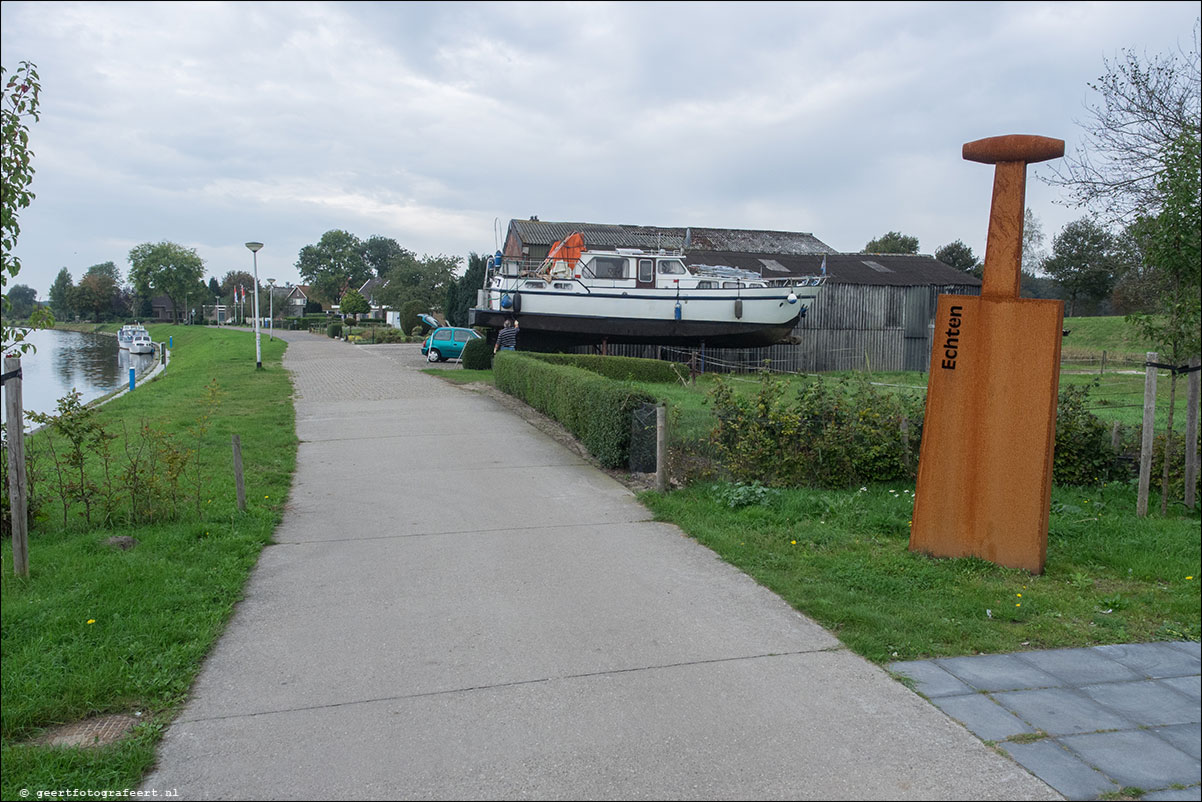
446,342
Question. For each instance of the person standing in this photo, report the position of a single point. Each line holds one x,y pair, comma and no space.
507,338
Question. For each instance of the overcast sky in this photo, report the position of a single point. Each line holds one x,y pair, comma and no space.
210,124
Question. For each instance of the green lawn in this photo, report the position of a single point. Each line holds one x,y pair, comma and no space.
842,558
98,630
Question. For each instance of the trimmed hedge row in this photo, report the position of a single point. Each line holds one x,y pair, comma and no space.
592,407
620,368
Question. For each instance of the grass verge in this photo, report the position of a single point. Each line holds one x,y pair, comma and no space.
842,558
98,630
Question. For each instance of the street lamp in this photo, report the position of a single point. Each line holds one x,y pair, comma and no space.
271,308
254,248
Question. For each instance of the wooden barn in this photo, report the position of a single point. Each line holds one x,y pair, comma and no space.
876,311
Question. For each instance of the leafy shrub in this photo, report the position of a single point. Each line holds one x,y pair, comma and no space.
592,407
740,494
831,435
334,330
1084,455
409,315
477,355
621,368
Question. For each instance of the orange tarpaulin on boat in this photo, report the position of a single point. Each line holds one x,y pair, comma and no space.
567,250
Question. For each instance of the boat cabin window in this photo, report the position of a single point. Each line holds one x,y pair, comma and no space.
707,285
605,267
562,285
671,267
535,285
731,284
646,270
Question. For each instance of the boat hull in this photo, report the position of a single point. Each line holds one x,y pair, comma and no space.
544,330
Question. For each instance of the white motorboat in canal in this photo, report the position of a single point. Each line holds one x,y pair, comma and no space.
140,343
125,335
581,296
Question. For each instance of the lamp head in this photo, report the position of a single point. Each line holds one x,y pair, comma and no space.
254,246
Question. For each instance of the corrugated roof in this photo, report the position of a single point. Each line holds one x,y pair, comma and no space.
604,235
903,270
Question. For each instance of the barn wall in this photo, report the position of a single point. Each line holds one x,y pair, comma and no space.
850,327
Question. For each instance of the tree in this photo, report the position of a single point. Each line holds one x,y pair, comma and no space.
379,252
168,269
1033,255
1082,262
105,268
1173,246
461,293
960,256
1144,107
214,288
60,295
425,280
893,242
21,301
336,262
20,102
353,303
95,294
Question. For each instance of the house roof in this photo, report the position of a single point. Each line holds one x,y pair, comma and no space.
603,235
371,286
844,268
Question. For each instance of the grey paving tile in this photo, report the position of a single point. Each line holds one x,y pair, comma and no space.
1135,758
1174,795
1148,702
1061,711
1155,660
984,717
1186,737
1190,686
1077,667
929,679
998,672
1190,646
1060,769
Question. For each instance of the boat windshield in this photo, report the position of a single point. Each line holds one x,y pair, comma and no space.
671,267
605,267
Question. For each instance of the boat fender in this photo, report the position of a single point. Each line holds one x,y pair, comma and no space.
738,308
678,310
506,301
517,302
792,298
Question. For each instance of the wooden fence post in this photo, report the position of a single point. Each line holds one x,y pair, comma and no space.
238,474
18,499
1191,437
1145,450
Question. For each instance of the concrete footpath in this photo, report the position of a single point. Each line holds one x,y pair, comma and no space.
458,607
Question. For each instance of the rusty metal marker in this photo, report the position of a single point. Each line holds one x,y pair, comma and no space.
985,471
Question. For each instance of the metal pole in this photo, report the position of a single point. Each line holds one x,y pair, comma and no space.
254,249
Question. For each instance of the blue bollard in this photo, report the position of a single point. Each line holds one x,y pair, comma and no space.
171,341
131,378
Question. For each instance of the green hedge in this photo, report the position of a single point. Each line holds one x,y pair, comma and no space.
477,354
621,368
592,407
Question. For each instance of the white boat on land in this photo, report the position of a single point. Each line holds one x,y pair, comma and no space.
579,296
140,343
125,335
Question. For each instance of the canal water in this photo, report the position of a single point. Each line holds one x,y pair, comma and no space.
70,360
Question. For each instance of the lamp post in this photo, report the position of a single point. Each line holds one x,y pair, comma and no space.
271,308
254,248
